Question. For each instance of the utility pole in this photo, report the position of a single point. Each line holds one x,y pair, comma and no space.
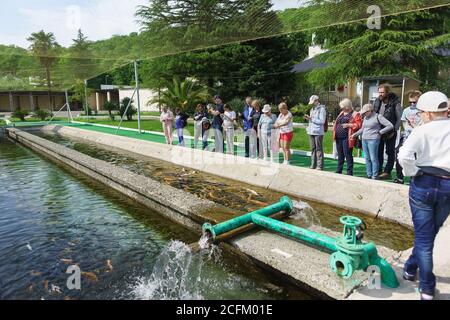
136,76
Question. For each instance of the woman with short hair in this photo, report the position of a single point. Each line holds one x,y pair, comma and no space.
347,123
229,119
167,119
286,125
254,140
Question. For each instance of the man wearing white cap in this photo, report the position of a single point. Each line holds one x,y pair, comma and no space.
316,130
426,157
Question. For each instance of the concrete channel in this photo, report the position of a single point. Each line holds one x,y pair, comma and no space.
289,260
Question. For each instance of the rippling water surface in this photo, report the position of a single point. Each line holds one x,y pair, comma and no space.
51,219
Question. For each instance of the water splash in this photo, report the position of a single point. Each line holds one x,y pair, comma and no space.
303,211
204,242
177,274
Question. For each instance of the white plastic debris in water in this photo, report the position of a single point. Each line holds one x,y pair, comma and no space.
29,247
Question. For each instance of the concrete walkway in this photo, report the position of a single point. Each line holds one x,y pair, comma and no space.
409,290
298,157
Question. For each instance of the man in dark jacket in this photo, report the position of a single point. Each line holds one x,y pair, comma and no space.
247,115
389,106
217,123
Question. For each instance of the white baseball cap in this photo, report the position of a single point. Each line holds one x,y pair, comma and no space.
433,101
313,99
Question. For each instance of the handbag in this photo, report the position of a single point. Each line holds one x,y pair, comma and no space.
358,143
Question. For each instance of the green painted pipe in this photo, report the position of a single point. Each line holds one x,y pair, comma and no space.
304,235
348,253
285,204
388,275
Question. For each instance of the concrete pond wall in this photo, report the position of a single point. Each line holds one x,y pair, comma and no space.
287,259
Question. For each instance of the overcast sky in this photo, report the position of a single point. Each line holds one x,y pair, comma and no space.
99,19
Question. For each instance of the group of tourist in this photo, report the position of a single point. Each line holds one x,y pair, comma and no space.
422,151
264,132
374,129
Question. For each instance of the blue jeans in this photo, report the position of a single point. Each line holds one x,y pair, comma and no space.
180,137
370,147
429,198
344,153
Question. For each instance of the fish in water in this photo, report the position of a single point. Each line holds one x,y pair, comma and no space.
67,261
252,192
90,276
55,289
109,265
46,285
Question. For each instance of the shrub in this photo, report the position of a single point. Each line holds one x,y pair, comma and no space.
19,114
131,110
42,114
110,106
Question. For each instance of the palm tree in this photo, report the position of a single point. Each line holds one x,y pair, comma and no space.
44,46
182,94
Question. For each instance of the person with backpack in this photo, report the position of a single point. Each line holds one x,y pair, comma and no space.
181,123
316,130
347,123
374,126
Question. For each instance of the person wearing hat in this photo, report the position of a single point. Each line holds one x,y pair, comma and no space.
316,132
425,156
373,127
265,127
217,123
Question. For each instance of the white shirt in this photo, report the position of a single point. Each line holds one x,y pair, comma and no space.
228,119
286,122
427,146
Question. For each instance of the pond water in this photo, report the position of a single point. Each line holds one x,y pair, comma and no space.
51,219
236,195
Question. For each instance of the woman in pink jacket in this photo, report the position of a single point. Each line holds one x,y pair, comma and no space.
167,119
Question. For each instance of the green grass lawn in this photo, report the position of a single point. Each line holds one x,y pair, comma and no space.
300,142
